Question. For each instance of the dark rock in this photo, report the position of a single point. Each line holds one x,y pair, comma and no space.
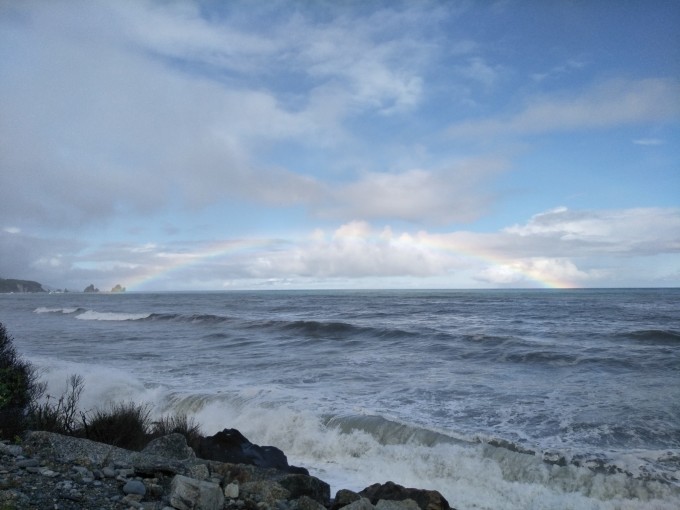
231,446
305,485
426,499
306,503
343,498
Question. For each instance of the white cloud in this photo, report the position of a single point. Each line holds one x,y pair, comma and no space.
560,247
129,106
567,67
454,194
558,272
353,250
479,71
649,141
628,231
613,103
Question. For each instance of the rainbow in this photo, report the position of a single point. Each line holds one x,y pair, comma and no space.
521,272
531,272
169,263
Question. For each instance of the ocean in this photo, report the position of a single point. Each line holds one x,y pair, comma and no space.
507,399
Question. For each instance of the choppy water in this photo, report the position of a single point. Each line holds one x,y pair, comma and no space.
498,399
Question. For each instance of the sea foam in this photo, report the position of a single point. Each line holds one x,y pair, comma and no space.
354,452
91,315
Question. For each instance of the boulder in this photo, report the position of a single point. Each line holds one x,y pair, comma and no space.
268,492
425,499
134,487
305,503
231,446
167,454
190,494
231,490
390,504
343,498
359,504
305,485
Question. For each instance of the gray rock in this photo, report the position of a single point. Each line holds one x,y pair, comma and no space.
132,500
109,472
134,487
172,446
13,498
343,498
191,494
305,485
306,503
167,454
77,450
11,449
81,470
406,504
231,490
263,491
26,463
359,504
199,472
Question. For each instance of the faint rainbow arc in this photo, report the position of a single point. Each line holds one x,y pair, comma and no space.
238,246
180,261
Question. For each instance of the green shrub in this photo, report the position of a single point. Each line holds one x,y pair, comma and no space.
127,425
19,388
123,424
58,414
177,423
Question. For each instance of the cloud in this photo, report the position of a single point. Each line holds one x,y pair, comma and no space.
639,231
354,250
568,67
478,70
136,106
375,54
560,247
613,103
649,142
453,194
560,272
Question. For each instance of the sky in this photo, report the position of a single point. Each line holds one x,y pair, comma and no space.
190,145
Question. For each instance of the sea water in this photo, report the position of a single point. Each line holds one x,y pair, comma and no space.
510,399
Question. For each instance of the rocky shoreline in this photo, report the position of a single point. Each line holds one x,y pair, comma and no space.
52,471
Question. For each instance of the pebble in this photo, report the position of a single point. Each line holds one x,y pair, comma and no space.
125,472
28,463
109,472
231,491
134,487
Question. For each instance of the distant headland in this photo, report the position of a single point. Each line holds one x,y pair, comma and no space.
19,286
92,288
14,286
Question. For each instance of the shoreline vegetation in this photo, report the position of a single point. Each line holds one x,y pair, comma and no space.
55,455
